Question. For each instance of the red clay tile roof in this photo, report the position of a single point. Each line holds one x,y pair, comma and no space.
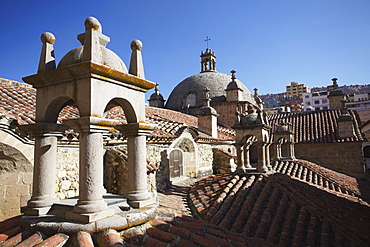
17,100
308,208
316,126
295,206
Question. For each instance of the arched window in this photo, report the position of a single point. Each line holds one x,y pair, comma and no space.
190,99
367,152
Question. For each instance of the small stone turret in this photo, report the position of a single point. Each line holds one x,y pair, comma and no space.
207,117
252,129
156,99
233,91
208,61
336,96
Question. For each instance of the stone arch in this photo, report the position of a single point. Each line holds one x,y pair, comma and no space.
126,106
280,144
190,99
249,150
13,160
189,150
55,107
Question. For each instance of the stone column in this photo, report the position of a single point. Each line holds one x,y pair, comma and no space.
261,167
239,156
267,154
291,153
137,191
44,170
90,205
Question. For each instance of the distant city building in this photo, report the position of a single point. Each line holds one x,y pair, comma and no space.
360,103
295,90
315,101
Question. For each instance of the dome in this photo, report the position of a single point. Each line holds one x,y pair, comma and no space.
156,95
216,83
109,58
249,119
106,56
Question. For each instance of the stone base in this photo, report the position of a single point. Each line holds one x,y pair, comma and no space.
124,217
88,218
142,204
35,211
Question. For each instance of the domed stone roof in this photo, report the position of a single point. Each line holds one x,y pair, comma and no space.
216,83
109,58
100,54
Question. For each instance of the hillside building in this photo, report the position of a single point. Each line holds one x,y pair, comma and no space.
295,90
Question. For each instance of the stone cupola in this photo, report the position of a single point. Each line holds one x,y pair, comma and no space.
208,61
93,79
156,99
207,117
284,135
252,133
233,91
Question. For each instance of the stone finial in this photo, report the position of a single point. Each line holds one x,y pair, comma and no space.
335,83
92,40
47,58
206,96
136,62
233,74
255,92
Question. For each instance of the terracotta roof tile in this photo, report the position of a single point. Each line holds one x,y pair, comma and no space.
291,210
316,126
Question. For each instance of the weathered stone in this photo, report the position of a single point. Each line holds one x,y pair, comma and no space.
9,178
17,190
65,185
9,203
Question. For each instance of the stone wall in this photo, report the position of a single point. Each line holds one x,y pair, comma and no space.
15,191
157,154
226,113
15,181
67,171
342,157
223,162
116,172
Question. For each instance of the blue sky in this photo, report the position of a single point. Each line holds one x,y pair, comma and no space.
268,43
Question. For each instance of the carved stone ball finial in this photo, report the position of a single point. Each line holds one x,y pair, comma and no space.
136,45
47,38
92,22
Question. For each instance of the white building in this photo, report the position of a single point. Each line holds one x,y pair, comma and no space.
315,101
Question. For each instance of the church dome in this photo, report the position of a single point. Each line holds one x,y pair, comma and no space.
189,91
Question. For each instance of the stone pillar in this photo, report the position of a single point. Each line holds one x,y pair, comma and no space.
239,156
44,170
137,191
246,158
291,153
268,161
90,205
261,167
